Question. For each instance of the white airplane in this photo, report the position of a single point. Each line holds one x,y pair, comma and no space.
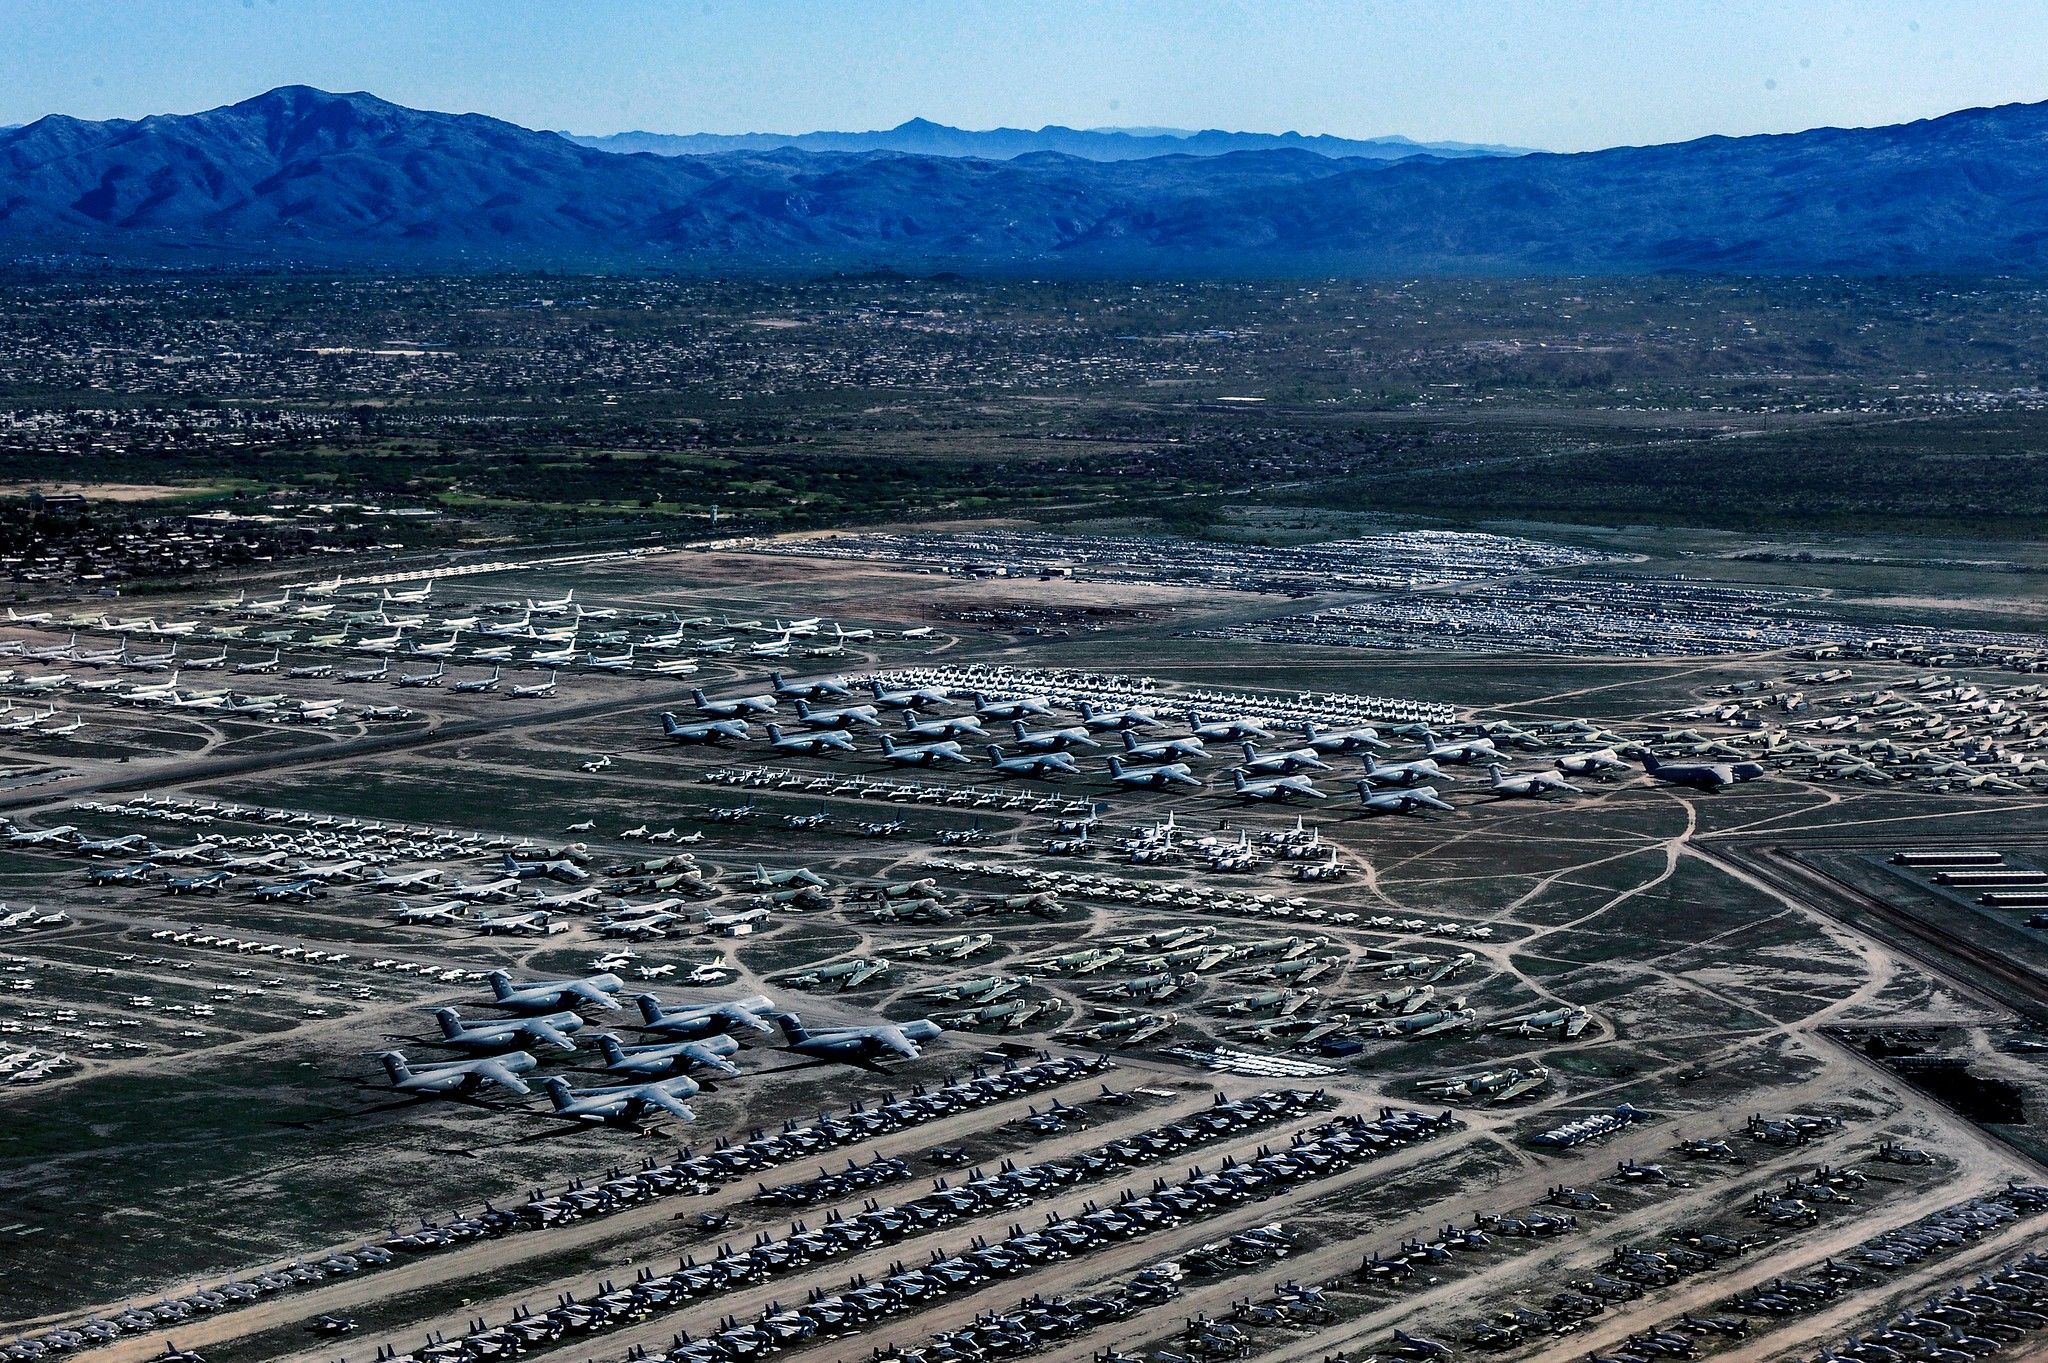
536,690
562,655
50,653
410,596
261,667
497,653
480,685
611,662
388,644
45,683
153,662
32,618
443,915
207,663
417,680
61,833
509,629
439,648
773,648
917,632
557,606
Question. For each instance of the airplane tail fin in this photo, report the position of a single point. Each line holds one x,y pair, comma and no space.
614,1053
1370,765
698,696
888,745
395,1066
1237,780
1650,763
793,1029
803,708
558,1092
774,733
1116,764
995,754
450,1020
1250,749
650,1007
501,984
1130,742
669,722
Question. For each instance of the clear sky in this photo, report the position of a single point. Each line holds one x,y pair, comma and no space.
1558,74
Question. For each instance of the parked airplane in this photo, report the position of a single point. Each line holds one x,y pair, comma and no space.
866,1047
1051,740
535,690
810,745
815,688
739,707
703,1020
665,1059
1156,777
1225,730
1274,788
1013,708
543,996
1036,766
957,726
547,1029
623,1104
921,754
908,699
1281,763
1701,775
459,1078
1379,773
845,717
1411,801
1526,784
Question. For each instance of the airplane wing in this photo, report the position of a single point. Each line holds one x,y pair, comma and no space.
496,1073
594,995
895,1040
548,1033
657,1098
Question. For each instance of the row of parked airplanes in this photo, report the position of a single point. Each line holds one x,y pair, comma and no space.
653,1078
832,713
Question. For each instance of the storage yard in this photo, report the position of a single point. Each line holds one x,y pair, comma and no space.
709,955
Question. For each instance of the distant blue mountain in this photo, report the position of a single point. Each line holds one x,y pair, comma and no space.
300,175
921,137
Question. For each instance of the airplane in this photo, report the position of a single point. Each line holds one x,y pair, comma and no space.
560,868
1709,776
1596,763
732,922
1411,801
739,707
519,924
50,682
810,745
1034,766
1157,777
1342,740
289,890
535,690
667,1058
1274,788
623,1104
958,726
770,648
544,996
439,648
909,699
1281,763
448,915
459,1077
1470,752
137,874
261,667
554,656
111,847
206,663
866,1047
32,618
498,653
1117,721
210,882
310,672
1526,784
921,754
846,717
1225,730
1051,740
374,674
560,605
155,692
387,644
1014,708
548,1029
709,731
1162,750
153,662
508,629
419,680
36,837
816,688
50,653
917,632
477,686
409,596
1379,773
610,662
704,1020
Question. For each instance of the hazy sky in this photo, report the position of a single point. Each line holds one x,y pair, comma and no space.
1560,74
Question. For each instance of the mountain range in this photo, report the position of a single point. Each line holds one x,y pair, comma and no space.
299,175
922,137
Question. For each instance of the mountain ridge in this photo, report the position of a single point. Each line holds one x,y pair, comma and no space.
301,175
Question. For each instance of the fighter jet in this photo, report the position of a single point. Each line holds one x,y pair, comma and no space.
489,1038
708,731
810,745
1413,801
623,1104
738,707
1036,766
1274,788
845,717
815,688
1281,763
666,1059
458,1077
921,754
1225,730
1507,784
1162,750
544,996
866,1047
1152,778
1708,776
703,1020
959,726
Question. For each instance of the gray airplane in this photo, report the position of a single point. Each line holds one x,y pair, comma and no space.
1162,750
1225,730
1281,763
623,1104
1343,740
669,1058
1037,766
866,1047
282,891
1013,708
921,754
1597,763
1157,777
909,698
815,688
810,745
1275,788
1708,776
845,717
547,996
1413,801
1507,784
560,868
957,726
1117,721
1413,773
737,708
1052,740
488,1038
704,731
458,1078
700,1021
1469,752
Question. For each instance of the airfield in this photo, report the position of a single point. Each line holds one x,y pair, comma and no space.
1594,1064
